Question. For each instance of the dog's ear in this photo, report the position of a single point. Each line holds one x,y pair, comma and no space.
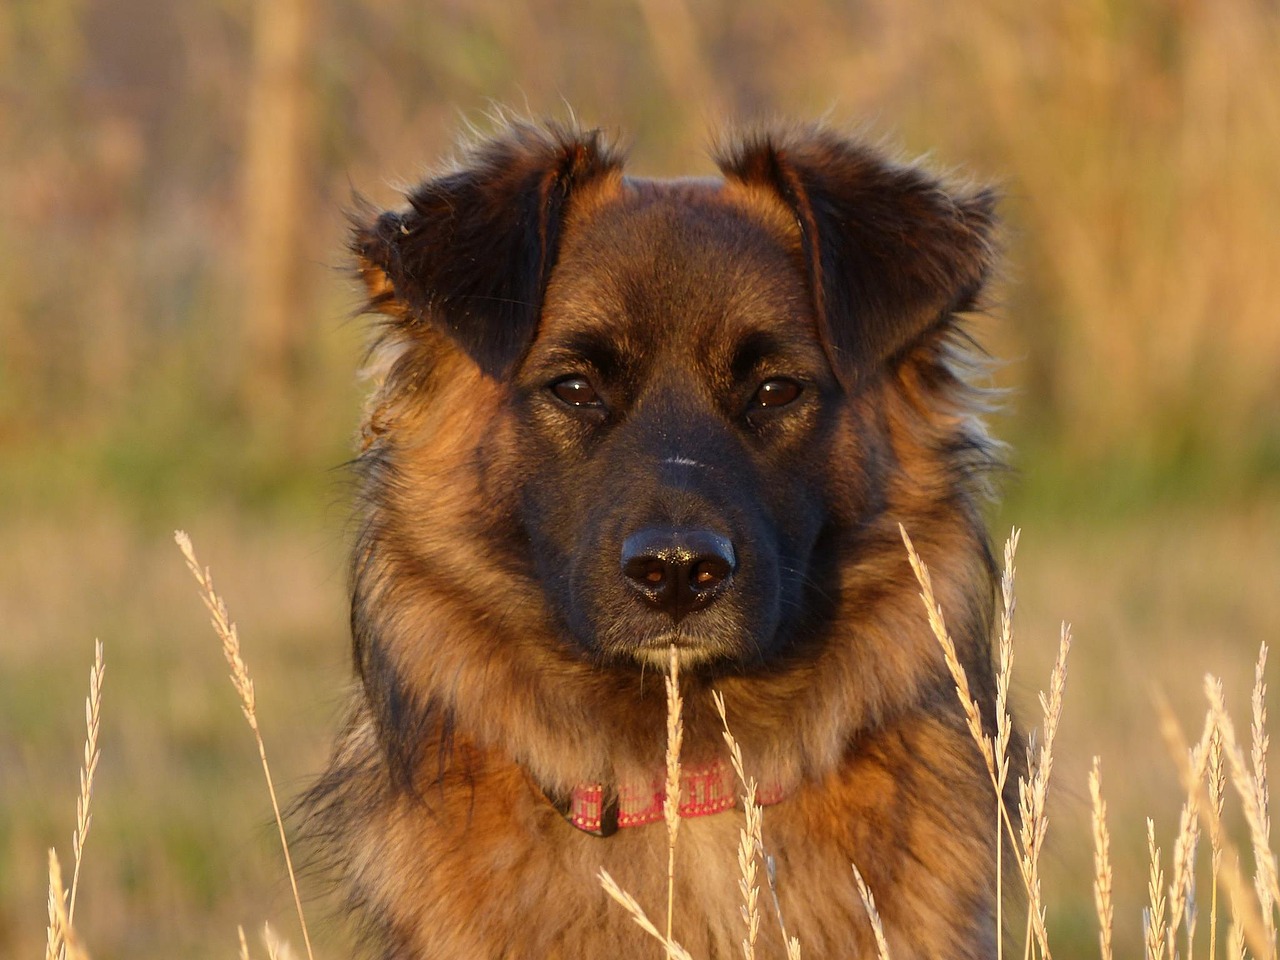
473,252
892,252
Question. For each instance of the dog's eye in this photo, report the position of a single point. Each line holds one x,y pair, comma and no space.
577,392
776,393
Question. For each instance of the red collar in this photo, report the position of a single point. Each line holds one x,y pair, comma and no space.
601,810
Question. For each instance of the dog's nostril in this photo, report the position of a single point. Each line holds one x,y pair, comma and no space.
644,567
677,570
708,573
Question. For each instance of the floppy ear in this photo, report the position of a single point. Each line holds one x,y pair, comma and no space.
473,252
892,253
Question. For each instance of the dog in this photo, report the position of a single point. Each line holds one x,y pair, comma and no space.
613,416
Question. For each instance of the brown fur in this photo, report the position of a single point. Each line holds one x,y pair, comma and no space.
473,706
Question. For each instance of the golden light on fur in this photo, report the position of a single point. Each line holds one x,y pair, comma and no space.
613,415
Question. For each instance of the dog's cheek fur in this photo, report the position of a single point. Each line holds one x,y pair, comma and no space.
471,821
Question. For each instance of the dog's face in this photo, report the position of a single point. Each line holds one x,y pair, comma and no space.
673,405
678,359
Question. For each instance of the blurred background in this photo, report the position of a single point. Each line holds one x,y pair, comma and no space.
177,350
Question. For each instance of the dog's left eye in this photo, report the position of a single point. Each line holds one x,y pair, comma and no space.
577,392
776,393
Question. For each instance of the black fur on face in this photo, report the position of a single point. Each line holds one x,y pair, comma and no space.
675,308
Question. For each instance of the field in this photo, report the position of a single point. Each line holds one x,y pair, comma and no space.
182,848
174,353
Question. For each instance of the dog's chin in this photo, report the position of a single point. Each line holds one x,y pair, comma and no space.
657,653
696,648
625,635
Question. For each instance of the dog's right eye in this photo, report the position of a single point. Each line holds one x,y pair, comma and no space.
577,392
776,393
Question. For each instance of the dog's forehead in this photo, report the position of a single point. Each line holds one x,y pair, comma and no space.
679,256
705,230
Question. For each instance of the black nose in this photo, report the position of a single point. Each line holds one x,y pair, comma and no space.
677,570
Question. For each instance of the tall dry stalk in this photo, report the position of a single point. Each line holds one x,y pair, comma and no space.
937,623
1235,942
750,838
671,801
1004,722
1102,879
93,718
1033,792
1182,908
63,944
277,948
1259,743
869,902
1216,776
1226,859
1153,915
673,949
751,847
55,932
1250,798
60,942
670,813
1171,911
240,679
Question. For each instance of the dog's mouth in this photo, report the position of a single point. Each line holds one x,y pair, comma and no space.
713,606
697,643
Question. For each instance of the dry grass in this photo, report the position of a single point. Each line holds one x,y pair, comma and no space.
750,841
1102,879
671,817
61,942
1170,918
1170,921
751,849
869,901
1004,721
93,723
243,683
1027,840
671,796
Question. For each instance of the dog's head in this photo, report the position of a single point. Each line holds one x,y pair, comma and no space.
684,366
